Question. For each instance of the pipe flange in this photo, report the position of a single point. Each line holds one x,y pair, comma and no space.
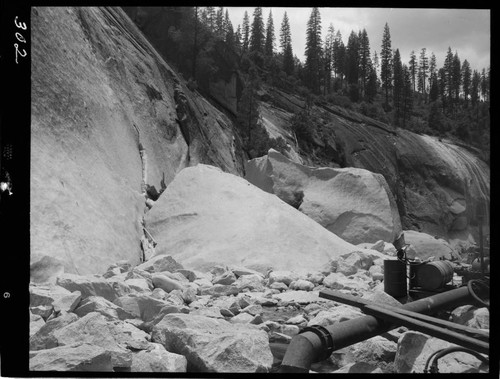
325,338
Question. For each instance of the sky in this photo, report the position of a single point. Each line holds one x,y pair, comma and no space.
466,31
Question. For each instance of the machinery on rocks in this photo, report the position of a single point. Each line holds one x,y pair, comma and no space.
429,288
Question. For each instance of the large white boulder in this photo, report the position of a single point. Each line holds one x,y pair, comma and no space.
207,217
423,246
355,204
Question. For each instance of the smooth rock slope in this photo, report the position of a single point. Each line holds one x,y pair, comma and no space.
101,94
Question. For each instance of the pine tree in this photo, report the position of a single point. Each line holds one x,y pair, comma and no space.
433,87
442,80
376,62
386,64
269,46
476,83
286,46
237,39
339,53
407,94
365,62
352,59
466,81
219,23
423,68
457,76
371,85
313,51
248,113
448,69
211,17
484,84
246,32
432,65
257,33
398,87
413,69
230,36
328,57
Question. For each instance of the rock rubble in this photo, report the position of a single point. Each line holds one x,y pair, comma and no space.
191,322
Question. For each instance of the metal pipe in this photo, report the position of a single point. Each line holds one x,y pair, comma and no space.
306,348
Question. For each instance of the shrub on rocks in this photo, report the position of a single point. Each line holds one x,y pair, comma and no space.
74,357
212,345
157,359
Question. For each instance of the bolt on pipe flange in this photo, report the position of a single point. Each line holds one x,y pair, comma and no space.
325,338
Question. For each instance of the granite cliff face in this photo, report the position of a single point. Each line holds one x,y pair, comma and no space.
100,95
439,186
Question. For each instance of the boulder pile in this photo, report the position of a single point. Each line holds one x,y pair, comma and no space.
161,316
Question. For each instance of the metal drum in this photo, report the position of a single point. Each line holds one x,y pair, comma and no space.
395,278
434,275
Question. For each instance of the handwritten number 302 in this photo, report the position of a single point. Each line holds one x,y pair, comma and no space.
20,38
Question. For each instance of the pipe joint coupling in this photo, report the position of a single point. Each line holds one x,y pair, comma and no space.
325,338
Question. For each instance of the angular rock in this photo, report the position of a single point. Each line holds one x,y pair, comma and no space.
381,297
165,283
175,276
44,337
471,316
253,282
241,271
339,281
157,359
105,307
67,303
192,275
279,286
220,290
74,357
377,351
160,263
93,285
117,337
159,294
112,271
334,315
376,272
42,310
285,277
36,322
212,345
299,297
207,217
139,285
290,330
316,277
253,309
363,208
141,306
301,284
213,312
189,294
242,318
279,337
296,320
45,295
414,348
225,278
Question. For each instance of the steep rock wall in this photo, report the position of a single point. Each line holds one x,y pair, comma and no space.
100,93
438,185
